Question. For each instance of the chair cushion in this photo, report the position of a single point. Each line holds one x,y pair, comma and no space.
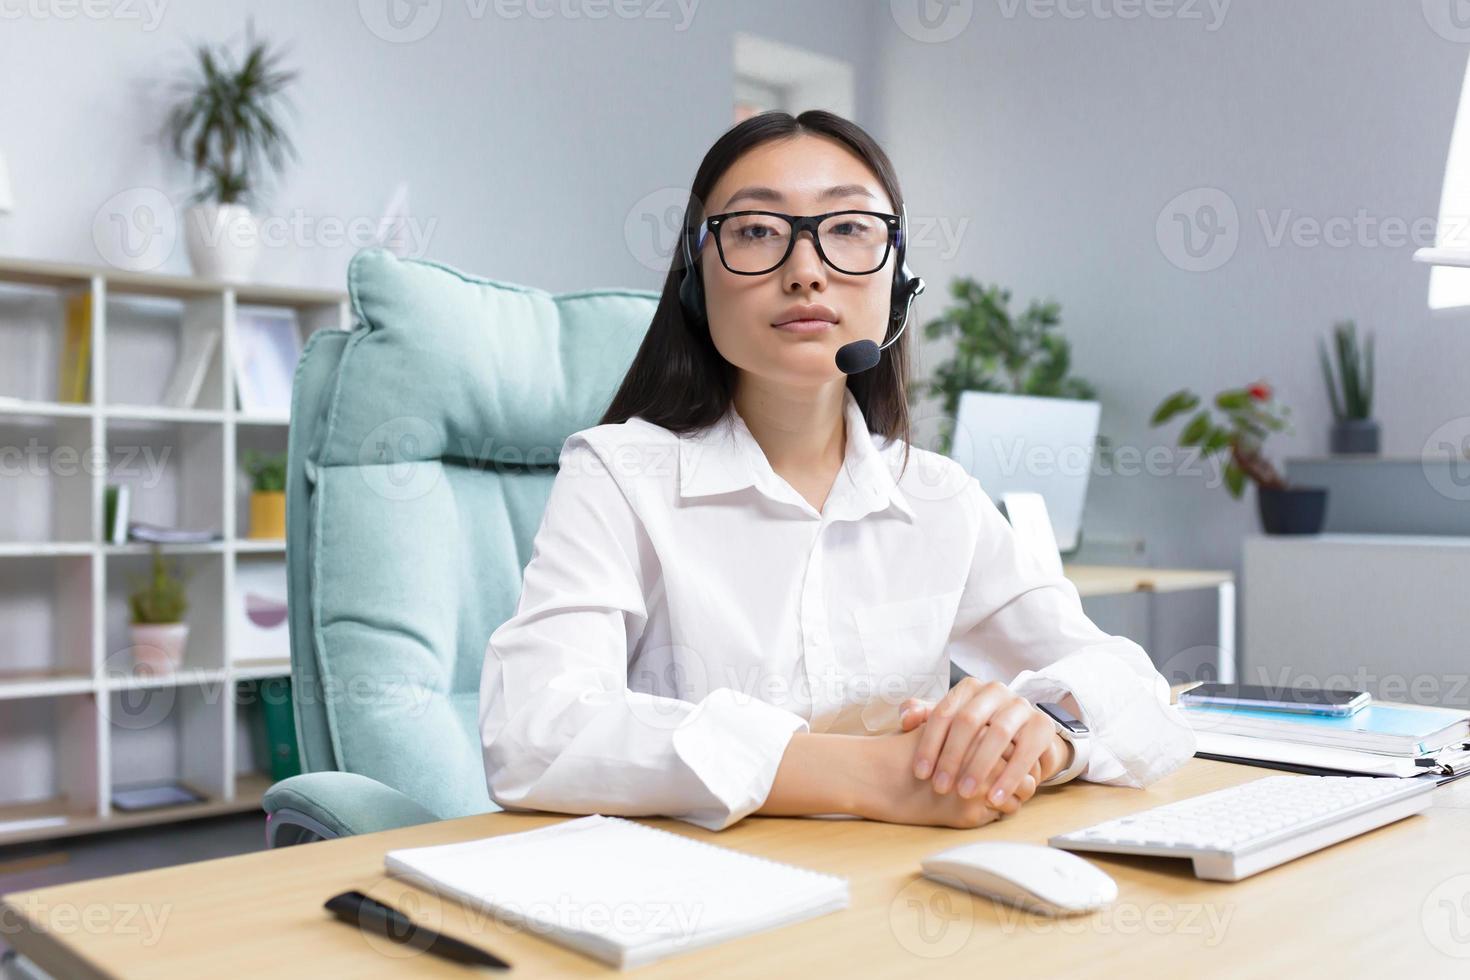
451,402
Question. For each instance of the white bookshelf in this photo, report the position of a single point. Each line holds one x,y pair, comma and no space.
75,721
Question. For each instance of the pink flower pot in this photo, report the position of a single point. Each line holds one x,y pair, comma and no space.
158,648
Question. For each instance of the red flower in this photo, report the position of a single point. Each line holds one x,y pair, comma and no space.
1260,391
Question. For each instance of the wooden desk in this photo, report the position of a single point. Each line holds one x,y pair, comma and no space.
1101,580
1395,899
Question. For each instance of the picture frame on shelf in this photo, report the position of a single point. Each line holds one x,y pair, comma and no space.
259,629
267,347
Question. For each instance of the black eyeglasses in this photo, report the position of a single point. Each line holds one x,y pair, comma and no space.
753,243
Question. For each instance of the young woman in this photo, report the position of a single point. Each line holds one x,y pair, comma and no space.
747,587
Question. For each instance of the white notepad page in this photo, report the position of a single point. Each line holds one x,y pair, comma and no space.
620,891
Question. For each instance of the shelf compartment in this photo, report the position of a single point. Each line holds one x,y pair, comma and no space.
268,441
48,753
47,465
33,329
169,733
204,649
262,716
175,469
259,632
146,335
46,643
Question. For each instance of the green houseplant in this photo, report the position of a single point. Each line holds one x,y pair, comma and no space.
1350,392
1000,353
1248,416
226,126
267,495
157,606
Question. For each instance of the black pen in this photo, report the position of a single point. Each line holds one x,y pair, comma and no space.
386,921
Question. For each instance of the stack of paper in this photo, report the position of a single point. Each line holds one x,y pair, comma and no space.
1383,739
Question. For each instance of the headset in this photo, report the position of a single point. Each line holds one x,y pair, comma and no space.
852,358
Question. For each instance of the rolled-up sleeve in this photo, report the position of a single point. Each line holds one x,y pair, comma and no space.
559,726
1024,625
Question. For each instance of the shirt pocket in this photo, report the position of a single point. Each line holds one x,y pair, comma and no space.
904,646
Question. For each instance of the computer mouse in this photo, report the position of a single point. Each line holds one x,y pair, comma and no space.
1030,876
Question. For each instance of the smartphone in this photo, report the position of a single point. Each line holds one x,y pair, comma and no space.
1299,700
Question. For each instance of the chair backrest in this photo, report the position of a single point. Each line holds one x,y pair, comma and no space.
422,448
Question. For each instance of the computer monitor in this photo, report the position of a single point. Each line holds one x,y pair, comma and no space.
1026,443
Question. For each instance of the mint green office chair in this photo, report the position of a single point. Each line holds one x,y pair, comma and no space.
422,448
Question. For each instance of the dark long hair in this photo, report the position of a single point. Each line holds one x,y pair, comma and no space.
679,379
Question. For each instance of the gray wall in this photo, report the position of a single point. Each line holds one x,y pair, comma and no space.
1038,148
1061,140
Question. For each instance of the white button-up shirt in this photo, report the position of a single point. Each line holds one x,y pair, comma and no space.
685,611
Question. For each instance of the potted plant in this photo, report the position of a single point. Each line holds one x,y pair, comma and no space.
999,356
1353,429
226,126
158,629
267,494
1250,415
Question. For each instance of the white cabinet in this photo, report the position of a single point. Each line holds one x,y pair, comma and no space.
1389,614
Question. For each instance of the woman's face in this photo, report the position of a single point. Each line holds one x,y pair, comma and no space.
743,309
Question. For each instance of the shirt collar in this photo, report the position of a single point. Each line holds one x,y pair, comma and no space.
725,456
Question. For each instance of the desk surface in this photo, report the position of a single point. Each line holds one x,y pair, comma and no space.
1397,897
1100,580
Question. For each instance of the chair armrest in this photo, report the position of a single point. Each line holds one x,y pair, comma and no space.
323,805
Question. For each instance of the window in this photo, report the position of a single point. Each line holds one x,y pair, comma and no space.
1449,287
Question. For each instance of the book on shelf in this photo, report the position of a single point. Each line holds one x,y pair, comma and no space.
158,534
76,349
117,498
195,353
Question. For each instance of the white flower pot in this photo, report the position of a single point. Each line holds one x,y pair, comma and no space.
223,241
158,648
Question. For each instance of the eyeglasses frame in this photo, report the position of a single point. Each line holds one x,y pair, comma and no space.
800,223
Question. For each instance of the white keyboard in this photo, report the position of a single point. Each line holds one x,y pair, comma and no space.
1234,833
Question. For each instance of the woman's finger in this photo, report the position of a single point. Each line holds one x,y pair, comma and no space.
912,713
1030,742
1000,732
943,714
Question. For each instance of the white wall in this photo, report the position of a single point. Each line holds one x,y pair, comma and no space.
529,142
1061,139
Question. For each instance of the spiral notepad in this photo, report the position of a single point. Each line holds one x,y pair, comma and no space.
619,891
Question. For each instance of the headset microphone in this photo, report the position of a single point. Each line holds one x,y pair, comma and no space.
863,355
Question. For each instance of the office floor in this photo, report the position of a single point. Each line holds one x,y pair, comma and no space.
43,863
